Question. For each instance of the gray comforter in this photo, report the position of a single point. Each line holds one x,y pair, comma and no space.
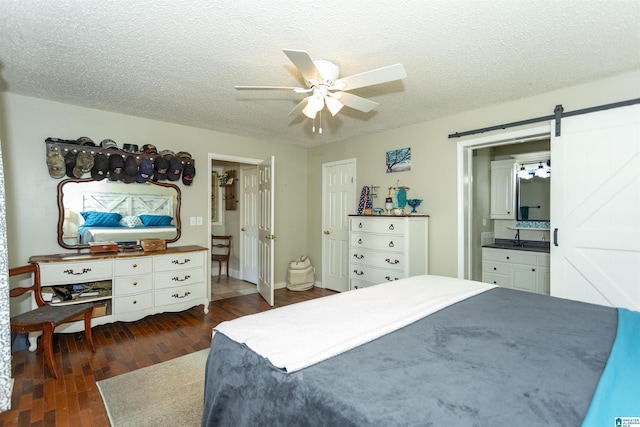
503,357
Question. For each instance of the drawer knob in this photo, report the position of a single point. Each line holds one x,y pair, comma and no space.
391,245
390,279
177,279
135,302
358,256
507,257
494,269
178,262
359,273
395,261
360,225
359,241
135,283
391,227
135,265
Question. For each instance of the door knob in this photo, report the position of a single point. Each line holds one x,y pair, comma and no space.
327,232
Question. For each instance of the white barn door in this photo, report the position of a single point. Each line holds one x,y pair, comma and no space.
595,211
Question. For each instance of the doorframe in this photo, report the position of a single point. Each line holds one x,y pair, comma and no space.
233,159
464,168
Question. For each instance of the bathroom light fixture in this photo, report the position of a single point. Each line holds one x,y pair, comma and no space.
524,173
541,172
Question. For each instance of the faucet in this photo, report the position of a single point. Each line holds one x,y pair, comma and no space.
517,242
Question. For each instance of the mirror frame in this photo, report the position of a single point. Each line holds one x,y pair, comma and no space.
80,180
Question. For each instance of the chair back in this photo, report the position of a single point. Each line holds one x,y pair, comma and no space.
34,271
221,245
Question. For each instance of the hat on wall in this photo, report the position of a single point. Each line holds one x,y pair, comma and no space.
130,169
130,148
51,140
160,168
149,149
188,173
116,167
167,153
70,162
108,144
145,170
183,154
84,163
175,169
85,140
100,168
55,163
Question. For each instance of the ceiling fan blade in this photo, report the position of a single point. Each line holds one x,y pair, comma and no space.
295,89
370,78
357,102
304,64
298,108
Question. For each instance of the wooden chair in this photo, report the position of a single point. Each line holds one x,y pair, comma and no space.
46,317
223,245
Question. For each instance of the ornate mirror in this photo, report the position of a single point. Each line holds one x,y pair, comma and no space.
99,211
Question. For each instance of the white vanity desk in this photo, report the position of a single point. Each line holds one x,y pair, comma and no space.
134,284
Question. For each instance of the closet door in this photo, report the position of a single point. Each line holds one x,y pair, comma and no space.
595,210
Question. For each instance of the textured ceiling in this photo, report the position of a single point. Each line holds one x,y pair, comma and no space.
178,61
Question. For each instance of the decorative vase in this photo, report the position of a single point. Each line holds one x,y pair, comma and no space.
414,203
388,205
401,197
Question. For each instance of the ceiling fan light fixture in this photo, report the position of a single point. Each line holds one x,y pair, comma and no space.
333,105
315,103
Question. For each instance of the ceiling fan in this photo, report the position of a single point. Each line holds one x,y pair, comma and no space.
325,88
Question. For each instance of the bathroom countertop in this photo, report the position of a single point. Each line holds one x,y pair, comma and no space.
522,245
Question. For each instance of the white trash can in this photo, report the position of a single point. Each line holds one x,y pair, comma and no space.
300,274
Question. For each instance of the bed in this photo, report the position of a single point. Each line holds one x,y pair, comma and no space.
124,217
423,351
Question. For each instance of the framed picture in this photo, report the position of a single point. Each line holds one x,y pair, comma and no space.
398,160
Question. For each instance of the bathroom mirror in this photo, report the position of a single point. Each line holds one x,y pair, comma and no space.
99,211
533,196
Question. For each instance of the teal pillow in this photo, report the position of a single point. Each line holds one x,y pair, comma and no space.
156,220
101,219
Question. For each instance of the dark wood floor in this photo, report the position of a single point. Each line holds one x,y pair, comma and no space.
74,399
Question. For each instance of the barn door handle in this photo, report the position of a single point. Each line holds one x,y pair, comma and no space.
555,237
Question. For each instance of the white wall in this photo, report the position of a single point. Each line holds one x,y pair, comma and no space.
31,193
433,166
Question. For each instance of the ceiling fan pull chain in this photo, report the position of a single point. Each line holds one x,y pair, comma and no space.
320,128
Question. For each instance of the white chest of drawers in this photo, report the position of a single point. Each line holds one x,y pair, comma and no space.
138,284
386,248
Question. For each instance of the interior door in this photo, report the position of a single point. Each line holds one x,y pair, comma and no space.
595,193
338,201
249,227
266,233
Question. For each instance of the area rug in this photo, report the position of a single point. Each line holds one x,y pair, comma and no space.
167,394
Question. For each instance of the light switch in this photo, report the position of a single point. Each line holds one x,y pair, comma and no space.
199,220
192,220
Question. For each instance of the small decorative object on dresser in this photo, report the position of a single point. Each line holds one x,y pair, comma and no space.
149,245
384,249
